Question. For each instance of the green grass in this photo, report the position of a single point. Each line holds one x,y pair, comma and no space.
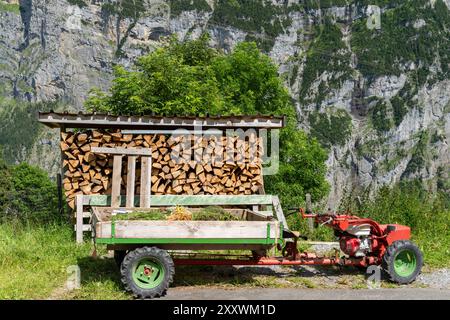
210,213
34,260
9,7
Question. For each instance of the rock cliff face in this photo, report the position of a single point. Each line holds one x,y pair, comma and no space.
370,79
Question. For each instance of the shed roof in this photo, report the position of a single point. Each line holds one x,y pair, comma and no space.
94,120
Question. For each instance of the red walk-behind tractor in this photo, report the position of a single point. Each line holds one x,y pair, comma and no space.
366,242
363,241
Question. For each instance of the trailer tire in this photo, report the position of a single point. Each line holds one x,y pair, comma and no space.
147,272
402,262
119,255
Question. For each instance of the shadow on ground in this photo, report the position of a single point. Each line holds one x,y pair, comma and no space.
254,275
104,269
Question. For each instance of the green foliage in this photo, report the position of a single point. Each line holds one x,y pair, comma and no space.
409,204
418,158
399,109
324,4
250,84
124,9
79,3
9,7
302,170
6,187
174,80
382,52
19,127
190,78
327,53
178,6
381,120
27,194
331,129
35,194
265,20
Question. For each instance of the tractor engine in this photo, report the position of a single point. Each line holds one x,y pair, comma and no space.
356,242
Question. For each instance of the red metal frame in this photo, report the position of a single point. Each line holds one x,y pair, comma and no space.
381,237
302,259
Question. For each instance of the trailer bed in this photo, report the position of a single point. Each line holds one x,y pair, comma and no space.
220,235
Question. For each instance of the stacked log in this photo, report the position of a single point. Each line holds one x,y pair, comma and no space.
183,164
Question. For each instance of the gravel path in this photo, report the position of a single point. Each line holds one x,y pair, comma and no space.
439,279
306,294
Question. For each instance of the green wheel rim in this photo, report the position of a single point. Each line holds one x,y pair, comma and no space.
148,273
405,263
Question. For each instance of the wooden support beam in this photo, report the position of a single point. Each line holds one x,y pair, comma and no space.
279,211
123,151
186,200
131,175
116,180
146,165
79,219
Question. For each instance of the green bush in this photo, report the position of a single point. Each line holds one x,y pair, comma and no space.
27,194
6,188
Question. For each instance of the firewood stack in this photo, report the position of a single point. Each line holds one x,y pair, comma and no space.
183,164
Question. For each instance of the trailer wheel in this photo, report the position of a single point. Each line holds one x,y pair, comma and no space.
119,255
402,262
147,272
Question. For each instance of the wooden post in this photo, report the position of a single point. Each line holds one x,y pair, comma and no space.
309,211
146,165
116,181
79,218
117,174
63,157
60,197
131,175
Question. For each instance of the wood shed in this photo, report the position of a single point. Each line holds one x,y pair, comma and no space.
211,158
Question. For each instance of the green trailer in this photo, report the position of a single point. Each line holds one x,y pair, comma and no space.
147,250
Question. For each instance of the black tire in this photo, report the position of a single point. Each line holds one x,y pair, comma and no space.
159,262
119,255
392,253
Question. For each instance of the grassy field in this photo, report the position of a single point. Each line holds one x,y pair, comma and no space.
34,262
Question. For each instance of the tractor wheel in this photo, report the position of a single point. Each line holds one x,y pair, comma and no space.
147,272
402,261
119,255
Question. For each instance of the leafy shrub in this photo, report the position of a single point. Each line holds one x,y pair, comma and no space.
6,188
28,194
